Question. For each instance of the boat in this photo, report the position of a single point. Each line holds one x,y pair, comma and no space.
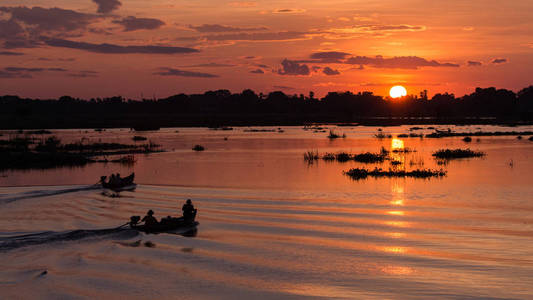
168,224
124,184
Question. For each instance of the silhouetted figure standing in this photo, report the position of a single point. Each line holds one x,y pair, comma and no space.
149,220
188,211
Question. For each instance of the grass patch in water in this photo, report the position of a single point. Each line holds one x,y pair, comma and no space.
457,153
358,173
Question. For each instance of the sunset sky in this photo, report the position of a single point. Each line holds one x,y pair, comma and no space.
99,48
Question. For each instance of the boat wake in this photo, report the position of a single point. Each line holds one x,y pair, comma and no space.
7,198
47,237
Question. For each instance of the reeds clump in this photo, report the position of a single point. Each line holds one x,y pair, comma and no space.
343,157
334,135
467,139
357,173
311,155
139,138
457,153
531,138
198,148
381,135
328,156
369,157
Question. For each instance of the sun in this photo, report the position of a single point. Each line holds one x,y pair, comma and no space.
397,91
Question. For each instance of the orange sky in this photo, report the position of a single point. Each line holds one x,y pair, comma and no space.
158,48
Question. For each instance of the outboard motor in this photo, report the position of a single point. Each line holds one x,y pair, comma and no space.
134,220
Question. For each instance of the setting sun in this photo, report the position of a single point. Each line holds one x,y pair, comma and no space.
397,91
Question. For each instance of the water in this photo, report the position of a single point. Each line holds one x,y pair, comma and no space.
272,225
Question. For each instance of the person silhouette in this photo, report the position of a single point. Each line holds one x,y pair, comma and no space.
189,211
149,220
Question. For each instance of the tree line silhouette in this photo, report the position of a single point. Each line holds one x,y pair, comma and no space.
221,107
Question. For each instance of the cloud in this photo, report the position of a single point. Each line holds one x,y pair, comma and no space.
258,36
499,60
117,49
283,87
31,70
132,23
83,74
222,28
329,71
209,65
290,67
257,71
399,62
243,4
474,63
329,57
175,72
23,72
41,20
107,6
10,29
10,53
288,11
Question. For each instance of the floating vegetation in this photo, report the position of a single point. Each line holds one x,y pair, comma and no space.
403,135
369,157
139,138
198,148
311,156
395,162
467,139
334,135
449,133
126,160
415,128
23,153
259,130
414,135
381,135
357,173
343,157
403,150
42,131
329,156
519,137
531,138
457,153
221,128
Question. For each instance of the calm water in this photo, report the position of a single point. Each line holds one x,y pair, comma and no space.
273,226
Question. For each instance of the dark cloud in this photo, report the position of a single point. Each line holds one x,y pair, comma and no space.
10,53
31,70
258,36
474,63
117,49
222,28
10,28
329,71
257,71
288,11
401,27
499,60
23,72
283,87
5,74
42,20
290,67
176,72
84,74
329,57
132,23
210,65
399,62
107,6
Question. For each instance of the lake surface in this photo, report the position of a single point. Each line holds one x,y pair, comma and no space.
273,226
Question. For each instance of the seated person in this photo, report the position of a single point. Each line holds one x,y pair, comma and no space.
149,220
188,210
